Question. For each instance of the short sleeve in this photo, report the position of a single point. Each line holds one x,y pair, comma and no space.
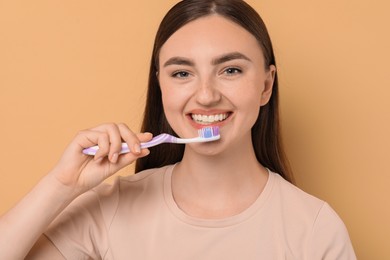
329,239
80,231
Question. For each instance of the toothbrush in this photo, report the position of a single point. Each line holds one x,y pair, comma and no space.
206,134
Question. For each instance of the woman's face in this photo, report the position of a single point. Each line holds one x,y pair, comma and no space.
212,73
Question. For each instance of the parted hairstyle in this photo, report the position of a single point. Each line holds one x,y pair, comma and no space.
266,135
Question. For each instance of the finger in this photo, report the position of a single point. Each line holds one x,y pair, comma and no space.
88,138
128,158
145,137
115,140
103,142
131,139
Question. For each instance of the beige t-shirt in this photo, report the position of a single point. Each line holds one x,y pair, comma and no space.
137,218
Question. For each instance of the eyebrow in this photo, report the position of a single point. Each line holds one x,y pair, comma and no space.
219,60
228,57
179,61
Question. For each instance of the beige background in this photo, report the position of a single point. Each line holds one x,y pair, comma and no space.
69,65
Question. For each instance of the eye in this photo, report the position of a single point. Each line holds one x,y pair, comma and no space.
180,74
232,71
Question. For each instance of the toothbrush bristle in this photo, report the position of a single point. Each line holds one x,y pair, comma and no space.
208,132
215,130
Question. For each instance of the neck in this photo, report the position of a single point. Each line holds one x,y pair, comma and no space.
238,161
218,185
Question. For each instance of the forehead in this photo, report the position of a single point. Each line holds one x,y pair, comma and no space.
210,35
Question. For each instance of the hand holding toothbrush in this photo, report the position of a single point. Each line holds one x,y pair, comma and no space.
82,172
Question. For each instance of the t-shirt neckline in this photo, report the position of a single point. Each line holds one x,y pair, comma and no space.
214,223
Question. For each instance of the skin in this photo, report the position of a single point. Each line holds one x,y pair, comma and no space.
223,72
213,66
21,227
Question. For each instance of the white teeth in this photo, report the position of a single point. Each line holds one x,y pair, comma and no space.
207,119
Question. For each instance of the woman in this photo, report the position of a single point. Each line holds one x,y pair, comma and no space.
212,65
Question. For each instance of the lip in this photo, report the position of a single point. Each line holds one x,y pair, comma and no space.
208,113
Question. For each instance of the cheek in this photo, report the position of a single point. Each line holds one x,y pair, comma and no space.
251,107
169,104
167,94
167,98
249,102
248,93
170,108
174,100
174,95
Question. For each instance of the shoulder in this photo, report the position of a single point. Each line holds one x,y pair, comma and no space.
104,199
131,187
295,199
329,238
325,232
102,202
300,205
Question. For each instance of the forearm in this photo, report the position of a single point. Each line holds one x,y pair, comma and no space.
21,226
74,174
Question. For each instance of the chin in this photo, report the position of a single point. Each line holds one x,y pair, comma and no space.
206,149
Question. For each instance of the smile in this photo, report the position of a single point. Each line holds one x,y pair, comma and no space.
209,119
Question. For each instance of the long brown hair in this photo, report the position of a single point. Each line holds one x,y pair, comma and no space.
266,136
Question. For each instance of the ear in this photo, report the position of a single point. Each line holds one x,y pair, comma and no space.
268,85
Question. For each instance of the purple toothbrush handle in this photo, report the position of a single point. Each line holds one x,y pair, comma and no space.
159,139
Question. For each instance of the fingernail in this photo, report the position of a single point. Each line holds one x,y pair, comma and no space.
137,148
114,158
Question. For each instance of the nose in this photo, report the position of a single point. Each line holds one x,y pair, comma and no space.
207,93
